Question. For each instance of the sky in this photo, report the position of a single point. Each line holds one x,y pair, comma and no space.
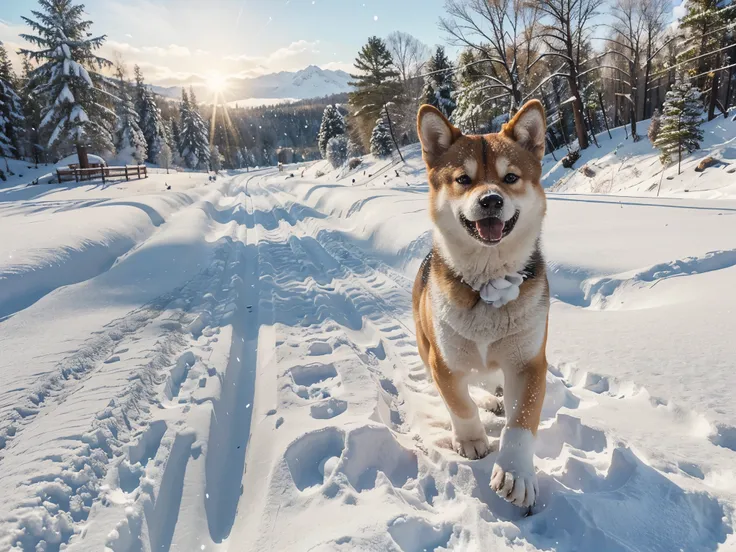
180,41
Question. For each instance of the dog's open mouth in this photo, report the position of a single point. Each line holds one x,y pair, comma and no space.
490,230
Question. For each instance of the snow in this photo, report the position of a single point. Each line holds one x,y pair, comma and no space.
233,366
74,160
622,167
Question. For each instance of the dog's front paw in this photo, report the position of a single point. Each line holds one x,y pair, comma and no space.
519,488
513,476
473,449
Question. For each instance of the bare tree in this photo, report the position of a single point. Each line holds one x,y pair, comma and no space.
655,16
566,33
501,33
410,57
628,33
409,54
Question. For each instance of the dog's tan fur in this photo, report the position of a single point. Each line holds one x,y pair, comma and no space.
460,337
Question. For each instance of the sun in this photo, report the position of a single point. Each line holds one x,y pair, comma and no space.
217,83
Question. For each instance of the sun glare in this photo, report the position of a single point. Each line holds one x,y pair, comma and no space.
217,83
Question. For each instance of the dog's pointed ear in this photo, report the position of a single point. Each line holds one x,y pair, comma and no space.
436,133
528,128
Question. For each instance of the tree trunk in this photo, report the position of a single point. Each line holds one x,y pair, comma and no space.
603,111
679,143
634,97
634,135
391,128
714,87
82,155
727,104
577,111
647,72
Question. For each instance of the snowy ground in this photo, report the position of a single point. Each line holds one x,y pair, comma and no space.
232,366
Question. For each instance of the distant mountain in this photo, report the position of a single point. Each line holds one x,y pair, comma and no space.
312,82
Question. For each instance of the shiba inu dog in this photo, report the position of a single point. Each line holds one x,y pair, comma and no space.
481,297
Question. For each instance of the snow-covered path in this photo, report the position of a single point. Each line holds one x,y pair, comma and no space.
246,378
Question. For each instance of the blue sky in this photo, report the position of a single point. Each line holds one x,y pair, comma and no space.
176,40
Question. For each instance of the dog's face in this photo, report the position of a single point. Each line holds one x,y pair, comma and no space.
485,188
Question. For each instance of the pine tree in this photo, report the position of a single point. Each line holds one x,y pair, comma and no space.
152,125
215,159
129,139
74,112
376,84
333,124
681,120
32,111
381,143
193,141
175,134
11,111
704,24
337,151
471,110
439,84
165,157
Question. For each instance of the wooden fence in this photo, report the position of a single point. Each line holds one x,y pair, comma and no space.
79,175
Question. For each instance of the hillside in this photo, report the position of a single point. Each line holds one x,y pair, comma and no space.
623,167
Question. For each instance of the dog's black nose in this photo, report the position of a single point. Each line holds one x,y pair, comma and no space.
491,201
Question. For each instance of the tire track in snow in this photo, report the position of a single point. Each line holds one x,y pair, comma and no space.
107,389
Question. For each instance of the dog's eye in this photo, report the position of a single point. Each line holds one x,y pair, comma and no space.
510,178
463,179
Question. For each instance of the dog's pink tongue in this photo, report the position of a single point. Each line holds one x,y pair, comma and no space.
490,229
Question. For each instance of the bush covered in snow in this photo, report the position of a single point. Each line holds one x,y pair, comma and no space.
333,125
337,151
381,144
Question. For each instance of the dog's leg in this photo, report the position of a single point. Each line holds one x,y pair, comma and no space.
469,437
513,475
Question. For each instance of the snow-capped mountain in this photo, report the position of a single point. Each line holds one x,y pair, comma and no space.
311,82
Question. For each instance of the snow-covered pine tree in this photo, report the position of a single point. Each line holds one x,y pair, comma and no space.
375,84
215,159
32,110
333,124
471,111
337,151
74,112
193,140
152,125
175,134
165,157
140,91
681,120
129,140
381,143
439,84
11,112
655,124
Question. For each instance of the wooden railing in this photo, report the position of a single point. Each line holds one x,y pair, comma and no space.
79,175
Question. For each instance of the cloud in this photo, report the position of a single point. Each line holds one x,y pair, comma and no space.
339,66
294,56
292,50
172,50
165,76
122,47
